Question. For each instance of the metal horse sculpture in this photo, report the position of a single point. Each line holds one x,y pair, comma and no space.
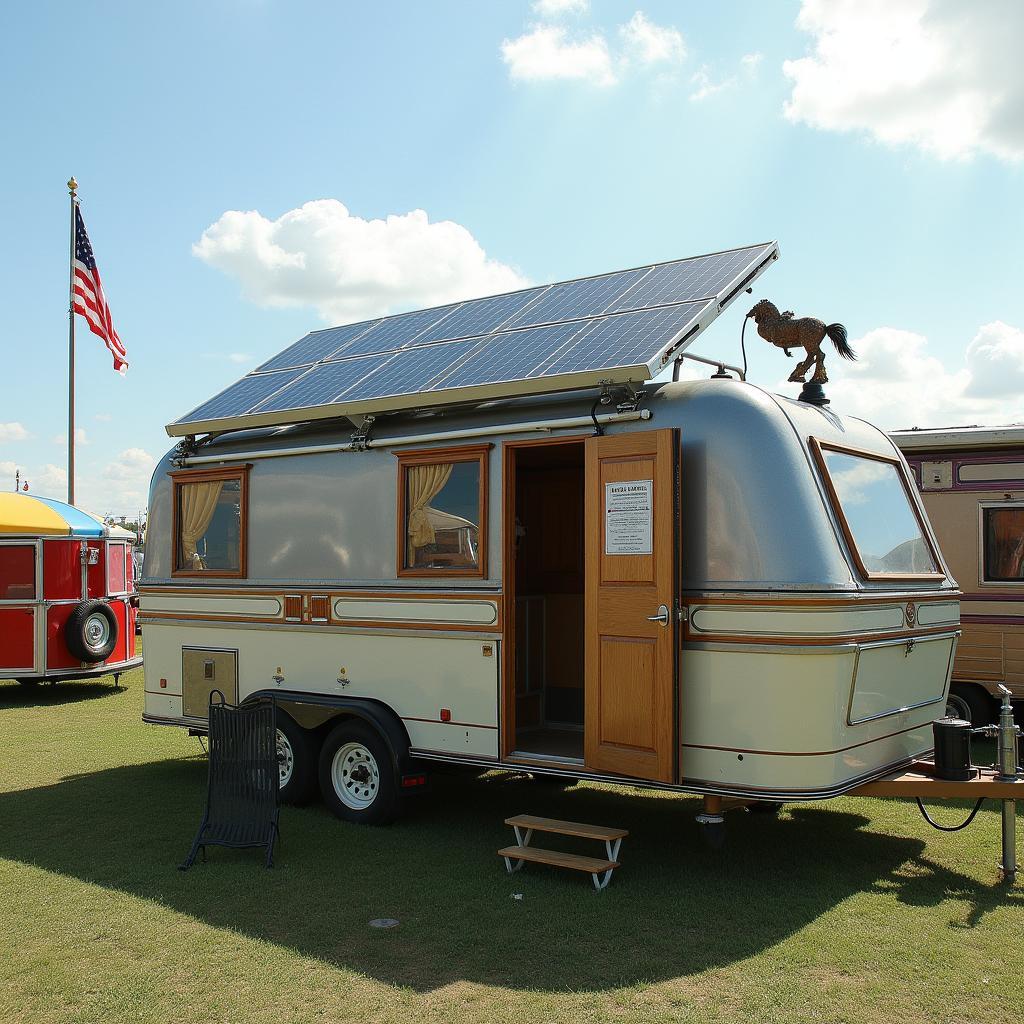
782,331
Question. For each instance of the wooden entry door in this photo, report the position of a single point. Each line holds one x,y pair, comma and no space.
630,659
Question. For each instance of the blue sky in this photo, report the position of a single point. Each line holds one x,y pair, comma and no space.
564,138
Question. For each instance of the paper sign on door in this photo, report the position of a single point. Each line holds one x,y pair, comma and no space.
628,517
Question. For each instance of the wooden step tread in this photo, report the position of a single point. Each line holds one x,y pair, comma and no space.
566,828
592,865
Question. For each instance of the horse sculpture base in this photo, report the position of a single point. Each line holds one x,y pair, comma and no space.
813,394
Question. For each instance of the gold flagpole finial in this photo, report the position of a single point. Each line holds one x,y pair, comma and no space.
72,185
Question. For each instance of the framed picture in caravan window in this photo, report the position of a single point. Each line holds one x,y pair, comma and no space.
442,512
210,511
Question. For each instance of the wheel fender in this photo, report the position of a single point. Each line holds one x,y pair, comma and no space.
374,712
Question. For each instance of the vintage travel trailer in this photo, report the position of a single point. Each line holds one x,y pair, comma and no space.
480,535
67,592
972,483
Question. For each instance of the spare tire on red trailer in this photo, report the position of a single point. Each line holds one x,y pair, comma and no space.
91,631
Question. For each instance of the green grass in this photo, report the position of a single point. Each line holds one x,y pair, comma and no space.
850,910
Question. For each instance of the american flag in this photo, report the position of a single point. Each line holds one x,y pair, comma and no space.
89,299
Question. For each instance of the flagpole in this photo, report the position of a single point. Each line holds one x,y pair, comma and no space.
72,188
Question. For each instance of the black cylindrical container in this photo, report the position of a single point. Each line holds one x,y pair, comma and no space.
952,749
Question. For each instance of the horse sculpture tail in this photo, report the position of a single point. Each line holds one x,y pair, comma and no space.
837,332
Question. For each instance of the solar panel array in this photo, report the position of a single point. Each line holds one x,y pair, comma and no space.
537,339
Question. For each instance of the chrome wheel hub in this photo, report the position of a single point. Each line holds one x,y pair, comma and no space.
355,776
285,759
97,631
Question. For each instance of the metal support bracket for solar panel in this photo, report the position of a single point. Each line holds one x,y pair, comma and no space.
360,439
183,450
633,398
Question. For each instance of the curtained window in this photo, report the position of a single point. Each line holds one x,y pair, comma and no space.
442,512
1003,533
210,522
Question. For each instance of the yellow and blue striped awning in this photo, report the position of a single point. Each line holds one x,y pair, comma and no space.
25,515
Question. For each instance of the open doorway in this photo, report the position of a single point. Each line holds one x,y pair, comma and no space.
547,590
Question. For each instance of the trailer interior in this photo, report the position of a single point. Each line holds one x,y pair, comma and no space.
548,581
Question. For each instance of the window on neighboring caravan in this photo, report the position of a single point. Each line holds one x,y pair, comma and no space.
877,514
17,572
442,512
1002,532
210,522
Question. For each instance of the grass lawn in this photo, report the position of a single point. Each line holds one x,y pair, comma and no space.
849,910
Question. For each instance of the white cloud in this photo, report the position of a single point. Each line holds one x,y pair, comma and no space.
556,8
13,432
348,268
80,437
898,382
704,86
50,481
996,359
547,53
121,487
750,62
651,44
941,75
103,417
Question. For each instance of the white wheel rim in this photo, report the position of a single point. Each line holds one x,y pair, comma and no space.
355,776
97,631
285,759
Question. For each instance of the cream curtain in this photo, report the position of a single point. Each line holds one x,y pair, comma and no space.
198,503
424,483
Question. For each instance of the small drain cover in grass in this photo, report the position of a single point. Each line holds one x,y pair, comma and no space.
384,922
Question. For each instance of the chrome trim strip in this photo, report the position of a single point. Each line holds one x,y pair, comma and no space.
296,627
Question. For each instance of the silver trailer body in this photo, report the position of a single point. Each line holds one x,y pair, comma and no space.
765,656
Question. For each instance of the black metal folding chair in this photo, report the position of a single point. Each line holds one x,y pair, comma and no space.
242,788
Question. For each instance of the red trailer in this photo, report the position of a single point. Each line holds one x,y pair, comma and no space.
67,593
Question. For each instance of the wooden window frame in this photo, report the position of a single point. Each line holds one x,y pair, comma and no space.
478,453
993,505
818,449
225,473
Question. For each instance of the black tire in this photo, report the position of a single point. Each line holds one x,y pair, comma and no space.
297,750
91,631
971,703
366,773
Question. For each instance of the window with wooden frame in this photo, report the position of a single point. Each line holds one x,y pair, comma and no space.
875,507
442,511
1002,542
210,512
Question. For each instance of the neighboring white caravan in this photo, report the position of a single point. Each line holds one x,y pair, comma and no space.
478,535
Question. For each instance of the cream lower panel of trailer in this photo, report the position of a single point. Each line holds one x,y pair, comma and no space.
800,718
415,675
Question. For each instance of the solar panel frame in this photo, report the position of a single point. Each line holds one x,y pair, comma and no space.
396,332
254,387
473,319
328,341
563,367
322,384
632,331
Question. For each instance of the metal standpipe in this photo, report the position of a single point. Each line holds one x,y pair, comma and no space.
1006,739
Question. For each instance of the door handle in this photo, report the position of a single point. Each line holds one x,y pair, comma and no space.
662,616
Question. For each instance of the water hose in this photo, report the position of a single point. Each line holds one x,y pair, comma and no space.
949,828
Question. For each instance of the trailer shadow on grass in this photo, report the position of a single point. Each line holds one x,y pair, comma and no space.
47,694
674,909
